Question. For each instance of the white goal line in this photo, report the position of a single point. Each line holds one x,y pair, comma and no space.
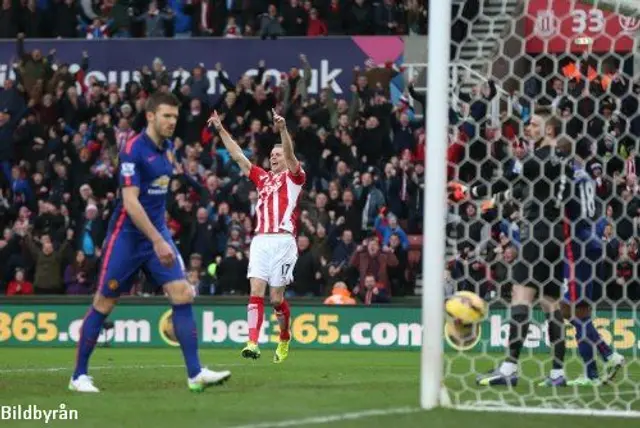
333,418
498,407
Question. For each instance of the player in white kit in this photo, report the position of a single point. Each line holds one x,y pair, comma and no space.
273,253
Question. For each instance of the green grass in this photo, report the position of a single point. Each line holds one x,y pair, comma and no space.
309,384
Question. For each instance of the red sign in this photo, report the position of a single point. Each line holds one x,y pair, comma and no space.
571,26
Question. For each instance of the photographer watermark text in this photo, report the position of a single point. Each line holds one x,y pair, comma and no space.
33,412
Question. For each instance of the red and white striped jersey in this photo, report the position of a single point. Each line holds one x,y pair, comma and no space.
278,195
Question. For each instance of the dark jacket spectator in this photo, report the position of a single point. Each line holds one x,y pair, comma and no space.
9,20
372,261
306,272
231,273
48,264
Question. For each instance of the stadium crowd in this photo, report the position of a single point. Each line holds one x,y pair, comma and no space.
566,101
144,18
59,142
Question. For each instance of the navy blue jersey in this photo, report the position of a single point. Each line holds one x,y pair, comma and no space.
583,209
145,165
127,249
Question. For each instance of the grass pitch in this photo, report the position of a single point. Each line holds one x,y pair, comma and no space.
147,388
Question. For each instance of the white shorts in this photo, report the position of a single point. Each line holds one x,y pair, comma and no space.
272,258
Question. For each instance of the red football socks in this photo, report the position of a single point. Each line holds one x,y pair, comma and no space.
283,314
255,316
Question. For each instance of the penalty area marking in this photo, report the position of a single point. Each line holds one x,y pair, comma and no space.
128,367
333,418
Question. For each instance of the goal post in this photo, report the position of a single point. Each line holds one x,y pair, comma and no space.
436,117
575,66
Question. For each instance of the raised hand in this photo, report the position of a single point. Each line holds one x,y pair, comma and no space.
215,120
278,120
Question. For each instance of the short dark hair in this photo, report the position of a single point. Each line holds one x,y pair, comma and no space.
161,98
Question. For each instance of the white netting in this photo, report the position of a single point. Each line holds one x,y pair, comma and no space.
527,74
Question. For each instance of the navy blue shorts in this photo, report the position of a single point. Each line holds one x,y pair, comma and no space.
125,253
582,273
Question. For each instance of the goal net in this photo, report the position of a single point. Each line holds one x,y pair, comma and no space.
563,74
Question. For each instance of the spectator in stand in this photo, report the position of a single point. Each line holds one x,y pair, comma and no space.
9,20
321,245
271,24
400,287
370,199
340,295
203,19
372,291
294,18
65,17
360,20
317,27
155,20
108,18
344,249
231,273
80,275
388,18
97,30
48,263
10,254
372,265
201,237
417,16
388,227
19,286
232,30
333,273
91,232
197,285
306,272
336,18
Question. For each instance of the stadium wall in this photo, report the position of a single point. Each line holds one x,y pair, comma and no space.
313,326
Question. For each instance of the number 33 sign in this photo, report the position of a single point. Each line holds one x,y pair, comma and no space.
556,26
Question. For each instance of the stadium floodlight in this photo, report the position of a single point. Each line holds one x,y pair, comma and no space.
574,66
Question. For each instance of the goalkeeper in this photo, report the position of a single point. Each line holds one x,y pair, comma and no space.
544,189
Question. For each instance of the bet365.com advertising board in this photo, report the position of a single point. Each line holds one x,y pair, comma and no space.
311,326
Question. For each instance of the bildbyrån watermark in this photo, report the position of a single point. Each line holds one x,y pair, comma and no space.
33,412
